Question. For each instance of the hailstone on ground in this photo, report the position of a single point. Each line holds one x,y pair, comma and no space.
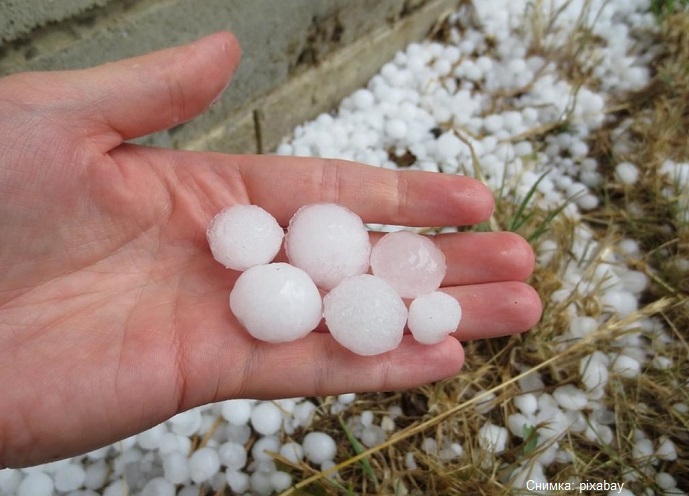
329,242
242,236
409,262
365,315
276,302
433,316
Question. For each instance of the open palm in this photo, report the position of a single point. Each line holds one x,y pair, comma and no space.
113,314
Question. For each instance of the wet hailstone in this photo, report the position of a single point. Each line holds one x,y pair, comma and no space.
409,262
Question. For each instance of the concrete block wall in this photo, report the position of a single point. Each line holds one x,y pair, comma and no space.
299,56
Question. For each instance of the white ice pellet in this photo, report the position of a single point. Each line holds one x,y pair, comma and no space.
365,315
261,449
36,484
266,418
10,478
303,413
242,236
176,468
276,302
409,262
346,398
260,483
527,403
519,424
232,455
492,438
570,397
116,488
69,477
594,371
186,423
329,242
319,447
158,487
238,481
627,173
292,451
433,316
396,128
626,366
150,438
666,449
203,464
280,480
236,412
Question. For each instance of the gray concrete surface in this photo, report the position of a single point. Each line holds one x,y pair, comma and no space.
282,41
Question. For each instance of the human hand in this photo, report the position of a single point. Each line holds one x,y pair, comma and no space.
113,314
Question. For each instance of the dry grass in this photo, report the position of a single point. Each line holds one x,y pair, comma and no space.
447,411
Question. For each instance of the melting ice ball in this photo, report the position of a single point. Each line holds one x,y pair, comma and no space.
433,316
242,236
276,302
365,315
329,242
409,262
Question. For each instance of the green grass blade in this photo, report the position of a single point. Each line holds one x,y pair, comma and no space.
358,449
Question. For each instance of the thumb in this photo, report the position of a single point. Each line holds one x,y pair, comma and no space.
153,92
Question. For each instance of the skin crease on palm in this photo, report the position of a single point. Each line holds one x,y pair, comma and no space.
114,315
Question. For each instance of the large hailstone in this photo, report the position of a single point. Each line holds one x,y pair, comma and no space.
276,302
409,262
365,315
329,242
433,316
243,236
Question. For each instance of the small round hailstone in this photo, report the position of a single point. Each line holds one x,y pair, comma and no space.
319,447
176,468
69,477
242,236
433,316
236,412
365,315
238,481
329,242
158,487
276,302
409,262
292,451
570,397
203,464
232,455
266,418
492,437
627,173
36,484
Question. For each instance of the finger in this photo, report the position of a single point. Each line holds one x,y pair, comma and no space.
152,92
413,198
317,365
496,309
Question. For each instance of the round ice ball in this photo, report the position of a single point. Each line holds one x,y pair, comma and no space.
329,242
276,302
266,418
319,447
242,236
365,315
433,316
409,262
